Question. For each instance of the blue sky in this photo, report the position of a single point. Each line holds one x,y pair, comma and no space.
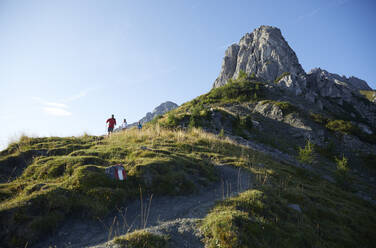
66,66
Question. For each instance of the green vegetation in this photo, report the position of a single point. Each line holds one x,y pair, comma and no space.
198,115
142,239
262,217
241,89
51,187
60,177
306,154
281,76
241,125
369,94
221,134
342,172
286,107
318,118
341,126
172,121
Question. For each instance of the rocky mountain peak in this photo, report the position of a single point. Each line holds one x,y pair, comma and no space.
159,110
263,52
164,107
353,83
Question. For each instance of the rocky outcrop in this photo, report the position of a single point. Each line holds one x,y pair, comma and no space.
267,55
160,110
352,83
325,84
274,112
264,53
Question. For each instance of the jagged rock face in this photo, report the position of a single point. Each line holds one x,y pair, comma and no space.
334,86
266,53
263,52
160,110
321,83
351,83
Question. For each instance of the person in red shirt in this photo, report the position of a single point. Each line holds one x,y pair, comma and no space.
111,124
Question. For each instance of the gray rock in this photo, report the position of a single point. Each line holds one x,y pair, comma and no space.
296,207
366,129
228,65
352,83
294,121
269,110
160,110
265,53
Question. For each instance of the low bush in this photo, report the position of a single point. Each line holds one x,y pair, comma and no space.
341,126
306,154
343,172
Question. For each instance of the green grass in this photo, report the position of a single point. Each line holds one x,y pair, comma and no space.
261,217
242,89
52,187
70,181
142,239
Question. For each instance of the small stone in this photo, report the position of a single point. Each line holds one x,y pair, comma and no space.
296,207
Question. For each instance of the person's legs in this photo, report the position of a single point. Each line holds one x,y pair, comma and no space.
110,129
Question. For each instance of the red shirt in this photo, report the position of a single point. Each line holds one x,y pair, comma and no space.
111,122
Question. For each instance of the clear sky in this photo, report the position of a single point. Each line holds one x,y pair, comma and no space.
66,66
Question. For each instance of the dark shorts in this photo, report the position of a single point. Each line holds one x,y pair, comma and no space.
110,129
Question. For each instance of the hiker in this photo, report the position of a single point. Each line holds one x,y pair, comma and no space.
111,124
123,125
139,125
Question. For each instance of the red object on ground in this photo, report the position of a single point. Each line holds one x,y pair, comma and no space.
111,122
120,173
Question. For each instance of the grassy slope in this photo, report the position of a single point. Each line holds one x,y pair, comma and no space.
65,177
62,181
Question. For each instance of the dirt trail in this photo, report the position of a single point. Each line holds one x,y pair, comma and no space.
175,216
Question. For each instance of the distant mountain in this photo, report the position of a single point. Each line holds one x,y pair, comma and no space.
160,110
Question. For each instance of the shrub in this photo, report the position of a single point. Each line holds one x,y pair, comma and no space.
221,134
306,153
340,126
154,121
342,172
318,118
242,75
286,107
172,121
